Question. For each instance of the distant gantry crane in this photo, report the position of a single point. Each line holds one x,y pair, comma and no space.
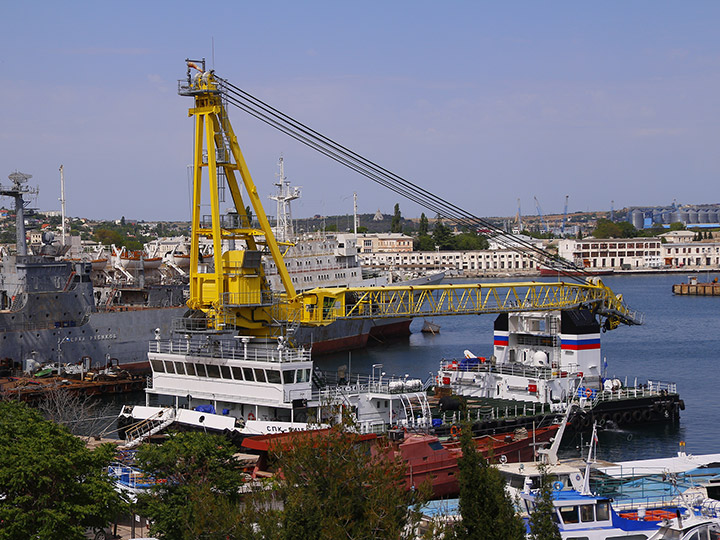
540,213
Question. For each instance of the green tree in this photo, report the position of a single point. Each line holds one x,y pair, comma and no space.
424,242
486,509
423,227
677,226
442,235
542,524
470,241
608,229
396,223
201,495
52,486
332,487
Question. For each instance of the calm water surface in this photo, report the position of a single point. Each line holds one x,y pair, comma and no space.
679,342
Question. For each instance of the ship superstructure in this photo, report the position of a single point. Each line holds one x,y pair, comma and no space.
50,313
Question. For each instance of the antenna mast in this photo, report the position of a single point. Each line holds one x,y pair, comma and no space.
355,218
62,201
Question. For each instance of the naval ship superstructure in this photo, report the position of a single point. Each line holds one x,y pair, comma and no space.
50,312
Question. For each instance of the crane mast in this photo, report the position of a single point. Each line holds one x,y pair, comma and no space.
230,289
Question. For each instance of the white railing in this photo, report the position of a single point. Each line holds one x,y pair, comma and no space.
229,350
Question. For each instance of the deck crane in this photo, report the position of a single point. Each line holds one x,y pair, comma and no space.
540,213
562,227
229,291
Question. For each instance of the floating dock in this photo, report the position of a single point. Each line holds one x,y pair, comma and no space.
693,288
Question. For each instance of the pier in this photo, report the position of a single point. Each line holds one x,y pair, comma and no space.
693,288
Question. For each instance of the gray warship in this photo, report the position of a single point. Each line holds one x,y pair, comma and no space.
51,313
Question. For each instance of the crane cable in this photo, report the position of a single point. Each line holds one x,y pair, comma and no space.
326,146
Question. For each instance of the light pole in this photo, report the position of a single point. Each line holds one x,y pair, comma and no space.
60,351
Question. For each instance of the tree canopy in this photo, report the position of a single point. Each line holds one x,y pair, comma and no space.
486,509
609,229
200,495
542,524
51,485
396,223
332,487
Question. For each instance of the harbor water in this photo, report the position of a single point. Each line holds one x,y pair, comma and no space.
679,342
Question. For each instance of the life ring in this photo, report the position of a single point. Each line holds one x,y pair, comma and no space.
588,393
503,459
557,485
251,416
455,431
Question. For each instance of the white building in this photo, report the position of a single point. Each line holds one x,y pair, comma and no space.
481,261
691,255
612,253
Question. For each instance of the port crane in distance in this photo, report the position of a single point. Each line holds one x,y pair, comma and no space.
229,291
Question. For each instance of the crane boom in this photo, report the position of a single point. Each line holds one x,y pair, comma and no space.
229,291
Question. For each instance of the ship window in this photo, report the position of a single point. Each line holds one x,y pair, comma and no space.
586,513
179,368
213,371
273,376
303,375
225,370
237,373
248,372
569,514
190,368
259,375
157,366
200,368
169,367
289,376
602,510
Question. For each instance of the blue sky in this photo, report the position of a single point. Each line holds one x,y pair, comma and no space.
480,102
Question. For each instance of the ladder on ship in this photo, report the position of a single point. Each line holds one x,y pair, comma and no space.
149,427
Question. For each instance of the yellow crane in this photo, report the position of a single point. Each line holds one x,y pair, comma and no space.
229,291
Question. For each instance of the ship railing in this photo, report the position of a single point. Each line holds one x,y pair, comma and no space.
254,298
495,412
361,383
228,350
509,369
651,389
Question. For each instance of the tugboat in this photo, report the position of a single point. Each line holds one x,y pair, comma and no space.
553,359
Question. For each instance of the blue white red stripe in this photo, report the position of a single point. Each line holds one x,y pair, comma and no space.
579,344
502,339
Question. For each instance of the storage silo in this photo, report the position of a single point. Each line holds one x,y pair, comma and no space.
638,219
692,216
702,215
